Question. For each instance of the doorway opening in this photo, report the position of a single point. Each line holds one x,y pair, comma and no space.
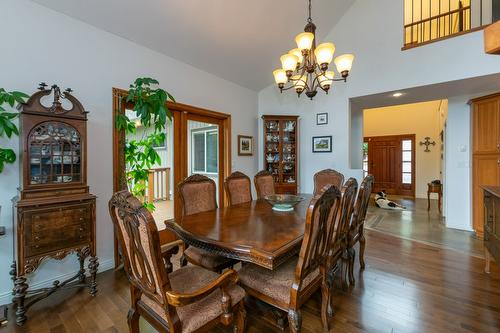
404,148
197,141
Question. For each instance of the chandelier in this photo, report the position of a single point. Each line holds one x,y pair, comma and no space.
305,68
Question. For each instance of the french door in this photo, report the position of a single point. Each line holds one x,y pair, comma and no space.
391,160
198,141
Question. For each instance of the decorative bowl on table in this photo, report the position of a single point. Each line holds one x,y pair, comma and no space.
283,202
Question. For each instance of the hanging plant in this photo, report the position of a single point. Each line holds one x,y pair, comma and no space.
7,126
150,108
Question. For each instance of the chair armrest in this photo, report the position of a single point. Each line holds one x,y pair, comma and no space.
227,278
171,248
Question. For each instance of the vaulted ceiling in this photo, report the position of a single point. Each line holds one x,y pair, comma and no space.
238,40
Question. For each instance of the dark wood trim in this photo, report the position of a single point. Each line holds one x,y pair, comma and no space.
181,114
478,99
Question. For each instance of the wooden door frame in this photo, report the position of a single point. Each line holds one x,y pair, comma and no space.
181,112
399,137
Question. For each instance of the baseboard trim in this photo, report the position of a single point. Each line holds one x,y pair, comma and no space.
6,297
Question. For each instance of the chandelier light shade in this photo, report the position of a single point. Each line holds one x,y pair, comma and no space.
289,62
344,62
306,68
304,41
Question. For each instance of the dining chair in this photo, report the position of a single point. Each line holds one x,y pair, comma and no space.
327,176
190,299
356,229
264,184
238,188
198,194
337,258
290,285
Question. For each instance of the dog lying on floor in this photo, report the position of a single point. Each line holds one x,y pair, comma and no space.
381,201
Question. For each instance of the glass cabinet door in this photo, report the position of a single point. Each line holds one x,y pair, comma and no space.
54,154
289,151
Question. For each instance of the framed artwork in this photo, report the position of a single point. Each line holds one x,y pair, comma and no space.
245,145
322,144
322,118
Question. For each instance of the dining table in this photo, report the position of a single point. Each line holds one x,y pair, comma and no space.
250,232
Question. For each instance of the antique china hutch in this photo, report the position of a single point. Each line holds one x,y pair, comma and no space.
281,151
55,211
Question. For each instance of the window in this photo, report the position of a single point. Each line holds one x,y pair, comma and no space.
205,151
365,159
406,159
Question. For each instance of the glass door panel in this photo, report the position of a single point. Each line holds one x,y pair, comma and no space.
160,186
203,150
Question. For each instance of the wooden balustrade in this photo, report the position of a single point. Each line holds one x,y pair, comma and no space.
158,184
432,20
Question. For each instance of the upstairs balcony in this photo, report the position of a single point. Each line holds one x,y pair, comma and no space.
427,21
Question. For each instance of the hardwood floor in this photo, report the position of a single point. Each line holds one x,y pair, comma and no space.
406,287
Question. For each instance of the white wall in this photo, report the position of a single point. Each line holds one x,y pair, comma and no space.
421,119
372,30
42,45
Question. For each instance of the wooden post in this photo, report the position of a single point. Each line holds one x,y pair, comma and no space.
167,183
151,186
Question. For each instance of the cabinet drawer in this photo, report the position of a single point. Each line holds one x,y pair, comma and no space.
41,247
53,219
56,228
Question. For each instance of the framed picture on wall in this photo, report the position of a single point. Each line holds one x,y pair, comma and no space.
322,118
322,144
245,145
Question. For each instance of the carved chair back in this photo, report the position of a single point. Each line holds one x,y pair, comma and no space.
343,218
198,194
238,188
317,233
327,177
264,184
139,239
361,204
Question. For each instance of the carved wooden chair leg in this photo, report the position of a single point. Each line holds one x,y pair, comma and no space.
344,269
330,281
325,300
295,320
133,321
352,256
240,322
362,244
227,312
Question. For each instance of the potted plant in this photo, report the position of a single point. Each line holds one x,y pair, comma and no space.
150,108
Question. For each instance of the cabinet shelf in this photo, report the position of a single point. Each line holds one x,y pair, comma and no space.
281,136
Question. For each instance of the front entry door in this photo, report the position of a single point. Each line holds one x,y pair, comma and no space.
391,161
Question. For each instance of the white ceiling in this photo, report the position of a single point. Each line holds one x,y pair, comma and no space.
238,40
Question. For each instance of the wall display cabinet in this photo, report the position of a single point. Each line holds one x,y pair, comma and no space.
485,153
55,211
281,151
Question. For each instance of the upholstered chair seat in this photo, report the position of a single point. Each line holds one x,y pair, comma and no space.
275,283
208,260
187,280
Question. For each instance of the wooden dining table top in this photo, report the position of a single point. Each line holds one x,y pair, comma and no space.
251,232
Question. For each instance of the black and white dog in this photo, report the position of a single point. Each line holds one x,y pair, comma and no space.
381,201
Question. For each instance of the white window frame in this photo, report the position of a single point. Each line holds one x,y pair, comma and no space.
205,132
